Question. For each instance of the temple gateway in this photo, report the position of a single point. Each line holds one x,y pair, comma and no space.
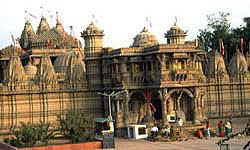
50,74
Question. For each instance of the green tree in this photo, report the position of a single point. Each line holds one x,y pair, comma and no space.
219,28
29,135
76,127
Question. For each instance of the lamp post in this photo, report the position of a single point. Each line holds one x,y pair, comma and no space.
112,94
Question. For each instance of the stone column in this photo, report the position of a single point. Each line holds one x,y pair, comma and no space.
164,106
124,75
126,110
178,104
118,115
170,105
117,105
164,112
163,63
197,113
149,117
178,101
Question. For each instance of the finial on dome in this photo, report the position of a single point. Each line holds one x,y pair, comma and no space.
144,29
175,21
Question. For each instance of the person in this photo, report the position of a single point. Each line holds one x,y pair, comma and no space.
227,128
154,131
208,129
166,131
179,123
221,129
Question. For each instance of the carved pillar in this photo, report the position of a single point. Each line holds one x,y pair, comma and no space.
197,112
164,106
170,105
118,106
118,115
163,63
178,101
126,110
124,72
178,104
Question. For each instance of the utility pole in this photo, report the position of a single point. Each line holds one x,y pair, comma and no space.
112,94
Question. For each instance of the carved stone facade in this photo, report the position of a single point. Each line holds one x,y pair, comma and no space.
176,78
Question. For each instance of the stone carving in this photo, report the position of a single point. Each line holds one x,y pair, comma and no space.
43,26
238,65
15,74
30,70
153,71
178,100
165,94
75,71
197,98
45,72
217,67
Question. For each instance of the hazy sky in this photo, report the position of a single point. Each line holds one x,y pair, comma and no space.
121,20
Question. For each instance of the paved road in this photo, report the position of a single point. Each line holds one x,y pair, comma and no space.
194,144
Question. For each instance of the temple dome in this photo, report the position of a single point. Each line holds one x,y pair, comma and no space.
30,70
27,34
92,29
144,39
238,64
59,27
216,66
175,35
175,30
43,26
62,62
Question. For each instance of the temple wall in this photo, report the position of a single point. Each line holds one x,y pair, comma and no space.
227,99
33,104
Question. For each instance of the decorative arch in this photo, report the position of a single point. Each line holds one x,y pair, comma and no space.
137,106
189,93
136,91
156,104
182,101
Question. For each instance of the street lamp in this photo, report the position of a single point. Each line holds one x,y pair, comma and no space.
112,94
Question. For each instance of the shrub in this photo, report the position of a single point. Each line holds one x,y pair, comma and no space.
28,135
43,133
75,127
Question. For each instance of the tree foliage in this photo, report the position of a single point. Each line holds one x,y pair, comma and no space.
219,28
76,127
29,135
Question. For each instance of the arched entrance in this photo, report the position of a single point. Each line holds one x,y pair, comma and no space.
186,106
181,100
156,108
137,107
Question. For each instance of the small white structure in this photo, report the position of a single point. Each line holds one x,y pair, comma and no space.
137,131
171,118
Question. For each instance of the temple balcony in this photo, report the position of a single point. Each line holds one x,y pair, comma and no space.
153,78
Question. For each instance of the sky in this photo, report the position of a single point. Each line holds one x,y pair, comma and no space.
121,20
